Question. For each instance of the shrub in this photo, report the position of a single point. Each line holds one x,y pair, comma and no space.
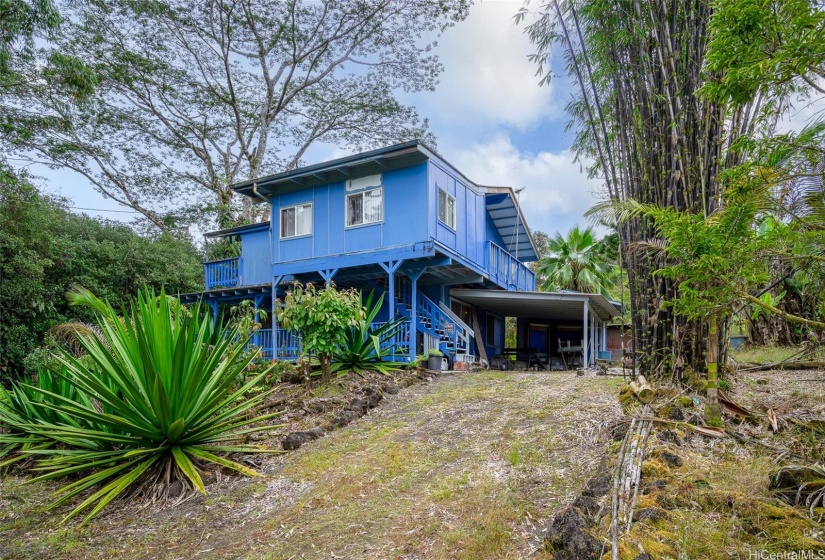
160,400
322,317
365,347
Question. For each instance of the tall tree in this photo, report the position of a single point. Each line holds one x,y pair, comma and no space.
45,249
197,95
639,66
576,262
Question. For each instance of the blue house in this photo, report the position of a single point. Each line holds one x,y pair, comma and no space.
450,256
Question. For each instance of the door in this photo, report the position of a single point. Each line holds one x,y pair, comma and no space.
537,338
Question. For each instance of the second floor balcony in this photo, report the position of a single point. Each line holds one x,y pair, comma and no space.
225,273
507,271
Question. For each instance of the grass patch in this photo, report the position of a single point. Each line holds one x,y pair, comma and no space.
725,500
770,354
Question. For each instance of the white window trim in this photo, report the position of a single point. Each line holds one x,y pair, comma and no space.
362,194
281,221
438,209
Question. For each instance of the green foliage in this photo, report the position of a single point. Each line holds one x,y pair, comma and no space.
26,404
158,398
322,317
245,319
578,262
366,347
20,22
47,249
764,46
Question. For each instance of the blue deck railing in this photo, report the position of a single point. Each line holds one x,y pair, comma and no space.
509,272
225,273
288,343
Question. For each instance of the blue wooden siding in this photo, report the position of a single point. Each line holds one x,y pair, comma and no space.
474,227
404,218
255,264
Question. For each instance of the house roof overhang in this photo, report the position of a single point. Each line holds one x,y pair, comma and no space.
365,163
502,205
565,306
237,230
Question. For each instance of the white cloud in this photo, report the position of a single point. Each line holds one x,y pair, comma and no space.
557,192
487,78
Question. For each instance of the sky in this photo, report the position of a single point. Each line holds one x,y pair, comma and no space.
490,117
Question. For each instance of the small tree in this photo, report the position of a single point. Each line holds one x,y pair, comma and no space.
322,318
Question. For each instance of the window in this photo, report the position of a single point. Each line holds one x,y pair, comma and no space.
296,221
446,208
491,331
365,207
461,310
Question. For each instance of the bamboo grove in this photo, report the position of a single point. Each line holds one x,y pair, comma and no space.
646,130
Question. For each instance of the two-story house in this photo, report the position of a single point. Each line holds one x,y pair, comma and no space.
450,255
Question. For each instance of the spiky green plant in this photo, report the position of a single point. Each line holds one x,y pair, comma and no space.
22,405
165,390
366,347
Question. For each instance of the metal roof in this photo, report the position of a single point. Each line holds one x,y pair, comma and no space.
538,305
503,208
238,229
367,163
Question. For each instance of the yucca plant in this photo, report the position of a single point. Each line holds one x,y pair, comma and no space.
164,395
366,347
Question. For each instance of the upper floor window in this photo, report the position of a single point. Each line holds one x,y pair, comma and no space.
446,208
366,207
296,221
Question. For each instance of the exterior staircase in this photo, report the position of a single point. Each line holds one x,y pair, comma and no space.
441,328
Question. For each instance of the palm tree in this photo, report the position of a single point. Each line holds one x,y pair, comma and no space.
577,262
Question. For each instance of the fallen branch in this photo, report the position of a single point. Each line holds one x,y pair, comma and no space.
627,474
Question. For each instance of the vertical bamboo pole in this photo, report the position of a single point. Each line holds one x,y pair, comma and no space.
713,413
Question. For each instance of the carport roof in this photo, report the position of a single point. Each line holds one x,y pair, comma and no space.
538,305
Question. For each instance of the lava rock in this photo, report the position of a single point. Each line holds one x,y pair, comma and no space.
340,420
669,436
294,440
373,399
567,536
598,486
588,505
357,405
671,459
651,515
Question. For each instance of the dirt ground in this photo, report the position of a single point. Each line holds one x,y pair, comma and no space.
470,465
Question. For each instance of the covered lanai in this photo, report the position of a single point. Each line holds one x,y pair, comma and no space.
567,325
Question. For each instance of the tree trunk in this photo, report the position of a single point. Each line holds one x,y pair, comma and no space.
326,367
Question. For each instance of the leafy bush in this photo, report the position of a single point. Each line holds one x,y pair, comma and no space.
46,248
322,317
159,398
364,346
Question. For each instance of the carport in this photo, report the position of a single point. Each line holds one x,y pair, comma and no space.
549,320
